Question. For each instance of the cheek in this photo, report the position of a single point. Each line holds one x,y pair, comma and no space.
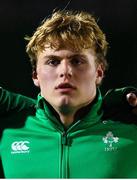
89,77
46,76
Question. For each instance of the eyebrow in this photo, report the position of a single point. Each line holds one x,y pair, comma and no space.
69,57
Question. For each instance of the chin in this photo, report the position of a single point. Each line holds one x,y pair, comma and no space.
65,101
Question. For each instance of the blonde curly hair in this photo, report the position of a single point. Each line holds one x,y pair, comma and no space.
70,29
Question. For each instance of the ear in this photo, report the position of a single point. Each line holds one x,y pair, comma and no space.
100,74
35,78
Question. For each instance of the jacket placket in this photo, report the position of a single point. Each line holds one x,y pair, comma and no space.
64,156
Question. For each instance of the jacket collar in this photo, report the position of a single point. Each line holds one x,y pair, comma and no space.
87,116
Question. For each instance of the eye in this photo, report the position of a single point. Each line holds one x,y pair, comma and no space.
77,61
53,62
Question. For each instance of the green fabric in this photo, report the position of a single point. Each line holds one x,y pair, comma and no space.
116,106
34,144
117,97
12,102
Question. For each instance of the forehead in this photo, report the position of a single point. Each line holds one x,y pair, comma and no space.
65,53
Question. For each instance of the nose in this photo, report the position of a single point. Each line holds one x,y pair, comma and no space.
65,70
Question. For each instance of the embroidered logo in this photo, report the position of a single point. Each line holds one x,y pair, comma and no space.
110,140
20,147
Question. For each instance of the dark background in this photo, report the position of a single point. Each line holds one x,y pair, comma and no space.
117,18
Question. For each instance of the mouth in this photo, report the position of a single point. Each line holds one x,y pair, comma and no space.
65,87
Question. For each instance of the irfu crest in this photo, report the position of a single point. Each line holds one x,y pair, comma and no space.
109,139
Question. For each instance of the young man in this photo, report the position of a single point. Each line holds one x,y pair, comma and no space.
65,135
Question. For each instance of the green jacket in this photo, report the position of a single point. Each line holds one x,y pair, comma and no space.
34,144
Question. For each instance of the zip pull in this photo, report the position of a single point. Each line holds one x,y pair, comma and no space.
64,138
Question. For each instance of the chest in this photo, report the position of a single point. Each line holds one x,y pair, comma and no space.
95,153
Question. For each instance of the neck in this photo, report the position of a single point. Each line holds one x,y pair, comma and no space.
66,115
66,120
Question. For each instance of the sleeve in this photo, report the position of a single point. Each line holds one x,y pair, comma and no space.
10,101
115,105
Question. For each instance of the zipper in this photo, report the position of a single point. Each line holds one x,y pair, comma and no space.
64,150
65,155
64,138
65,145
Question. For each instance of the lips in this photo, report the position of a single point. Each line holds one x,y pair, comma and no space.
65,86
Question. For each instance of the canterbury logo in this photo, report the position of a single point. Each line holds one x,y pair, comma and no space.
20,147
